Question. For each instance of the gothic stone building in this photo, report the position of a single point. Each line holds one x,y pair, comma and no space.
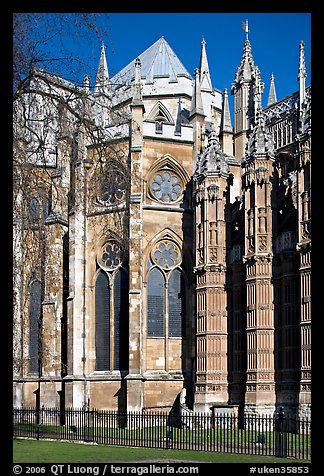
163,255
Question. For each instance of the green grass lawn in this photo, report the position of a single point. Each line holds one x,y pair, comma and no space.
32,451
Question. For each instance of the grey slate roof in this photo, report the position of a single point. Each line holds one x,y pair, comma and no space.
158,60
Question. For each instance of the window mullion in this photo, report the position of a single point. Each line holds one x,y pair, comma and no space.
112,321
166,324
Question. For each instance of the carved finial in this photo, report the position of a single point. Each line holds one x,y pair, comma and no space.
272,98
205,80
102,79
86,82
302,75
245,26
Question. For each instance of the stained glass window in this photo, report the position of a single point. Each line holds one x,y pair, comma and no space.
166,254
176,291
111,255
155,304
102,310
34,210
35,310
113,189
121,350
165,186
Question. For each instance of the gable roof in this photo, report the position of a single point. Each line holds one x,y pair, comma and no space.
158,60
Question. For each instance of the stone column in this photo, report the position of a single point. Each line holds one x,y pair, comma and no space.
134,378
76,391
260,384
211,381
304,248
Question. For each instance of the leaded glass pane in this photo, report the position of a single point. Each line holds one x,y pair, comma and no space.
35,310
166,254
111,255
176,291
121,307
34,210
102,309
113,189
155,304
165,187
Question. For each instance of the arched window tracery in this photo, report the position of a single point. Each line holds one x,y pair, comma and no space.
111,308
166,294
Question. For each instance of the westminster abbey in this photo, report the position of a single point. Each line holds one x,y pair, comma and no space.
161,241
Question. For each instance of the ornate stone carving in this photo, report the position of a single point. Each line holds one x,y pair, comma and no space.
305,231
213,192
262,243
250,244
262,175
213,254
199,195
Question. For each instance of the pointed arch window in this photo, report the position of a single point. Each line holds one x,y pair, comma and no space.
176,303
35,317
111,309
166,181
160,115
155,304
121,320
102,309
34,211
166,294
39,208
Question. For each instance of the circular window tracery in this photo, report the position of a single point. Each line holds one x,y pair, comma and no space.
113,189
166,254
166,187
110,256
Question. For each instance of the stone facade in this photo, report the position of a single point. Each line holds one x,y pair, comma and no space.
174,257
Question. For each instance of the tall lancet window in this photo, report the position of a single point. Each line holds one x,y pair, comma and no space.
102,307
165,291
176,304
35,316
111,309
121,320
155,304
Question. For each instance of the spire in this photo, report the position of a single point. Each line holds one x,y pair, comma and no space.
196,104
258,87
137,88
260,140
247,66
102,78
86,82
226,123
302,74
272,98
213,160
205,81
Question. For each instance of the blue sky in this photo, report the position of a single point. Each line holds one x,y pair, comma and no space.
274,39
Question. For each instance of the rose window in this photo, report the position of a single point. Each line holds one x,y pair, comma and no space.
165,186
113,189
166,254
110,256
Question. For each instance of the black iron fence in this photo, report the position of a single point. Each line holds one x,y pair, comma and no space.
263,435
